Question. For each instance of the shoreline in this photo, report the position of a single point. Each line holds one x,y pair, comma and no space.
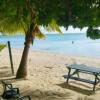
45,81
66,54
58,53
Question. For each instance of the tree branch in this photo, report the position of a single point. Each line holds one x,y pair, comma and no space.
69,7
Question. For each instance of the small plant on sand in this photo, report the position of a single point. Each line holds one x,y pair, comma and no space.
2,46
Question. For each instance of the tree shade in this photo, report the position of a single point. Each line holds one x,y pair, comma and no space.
26,16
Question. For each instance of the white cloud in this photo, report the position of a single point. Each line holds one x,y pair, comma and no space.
70,30
73,30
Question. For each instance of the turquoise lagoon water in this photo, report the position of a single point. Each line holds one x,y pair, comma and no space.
76,44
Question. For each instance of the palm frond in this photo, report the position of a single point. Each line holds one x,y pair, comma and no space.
12,25
38,33
2,46
53,26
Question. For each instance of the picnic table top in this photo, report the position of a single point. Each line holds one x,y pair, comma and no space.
85,68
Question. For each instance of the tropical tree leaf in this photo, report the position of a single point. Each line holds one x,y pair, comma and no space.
53,26
2,46
93,33
38,33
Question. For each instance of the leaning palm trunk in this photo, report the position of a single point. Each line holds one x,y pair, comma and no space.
22,70
31,32
30,36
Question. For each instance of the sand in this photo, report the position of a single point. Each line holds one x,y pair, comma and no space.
45,71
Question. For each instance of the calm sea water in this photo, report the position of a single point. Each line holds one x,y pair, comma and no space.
71,44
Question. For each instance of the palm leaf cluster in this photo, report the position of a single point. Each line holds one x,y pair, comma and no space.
16,15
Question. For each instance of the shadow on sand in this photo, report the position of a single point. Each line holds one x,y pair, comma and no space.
6,74
5,71
77,89
48,95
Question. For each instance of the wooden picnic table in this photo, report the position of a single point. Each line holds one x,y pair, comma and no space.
81,68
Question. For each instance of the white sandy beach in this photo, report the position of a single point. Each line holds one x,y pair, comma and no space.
45,71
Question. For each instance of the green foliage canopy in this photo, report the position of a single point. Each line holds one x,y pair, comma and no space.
16,15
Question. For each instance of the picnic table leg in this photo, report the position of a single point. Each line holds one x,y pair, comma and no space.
76,72
95,82
68,74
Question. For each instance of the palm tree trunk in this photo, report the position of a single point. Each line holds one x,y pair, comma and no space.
69,8
30,36
22,70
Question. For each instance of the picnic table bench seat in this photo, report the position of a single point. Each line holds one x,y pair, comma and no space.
79,79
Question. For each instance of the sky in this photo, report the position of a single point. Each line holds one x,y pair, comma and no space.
70,30
73,30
